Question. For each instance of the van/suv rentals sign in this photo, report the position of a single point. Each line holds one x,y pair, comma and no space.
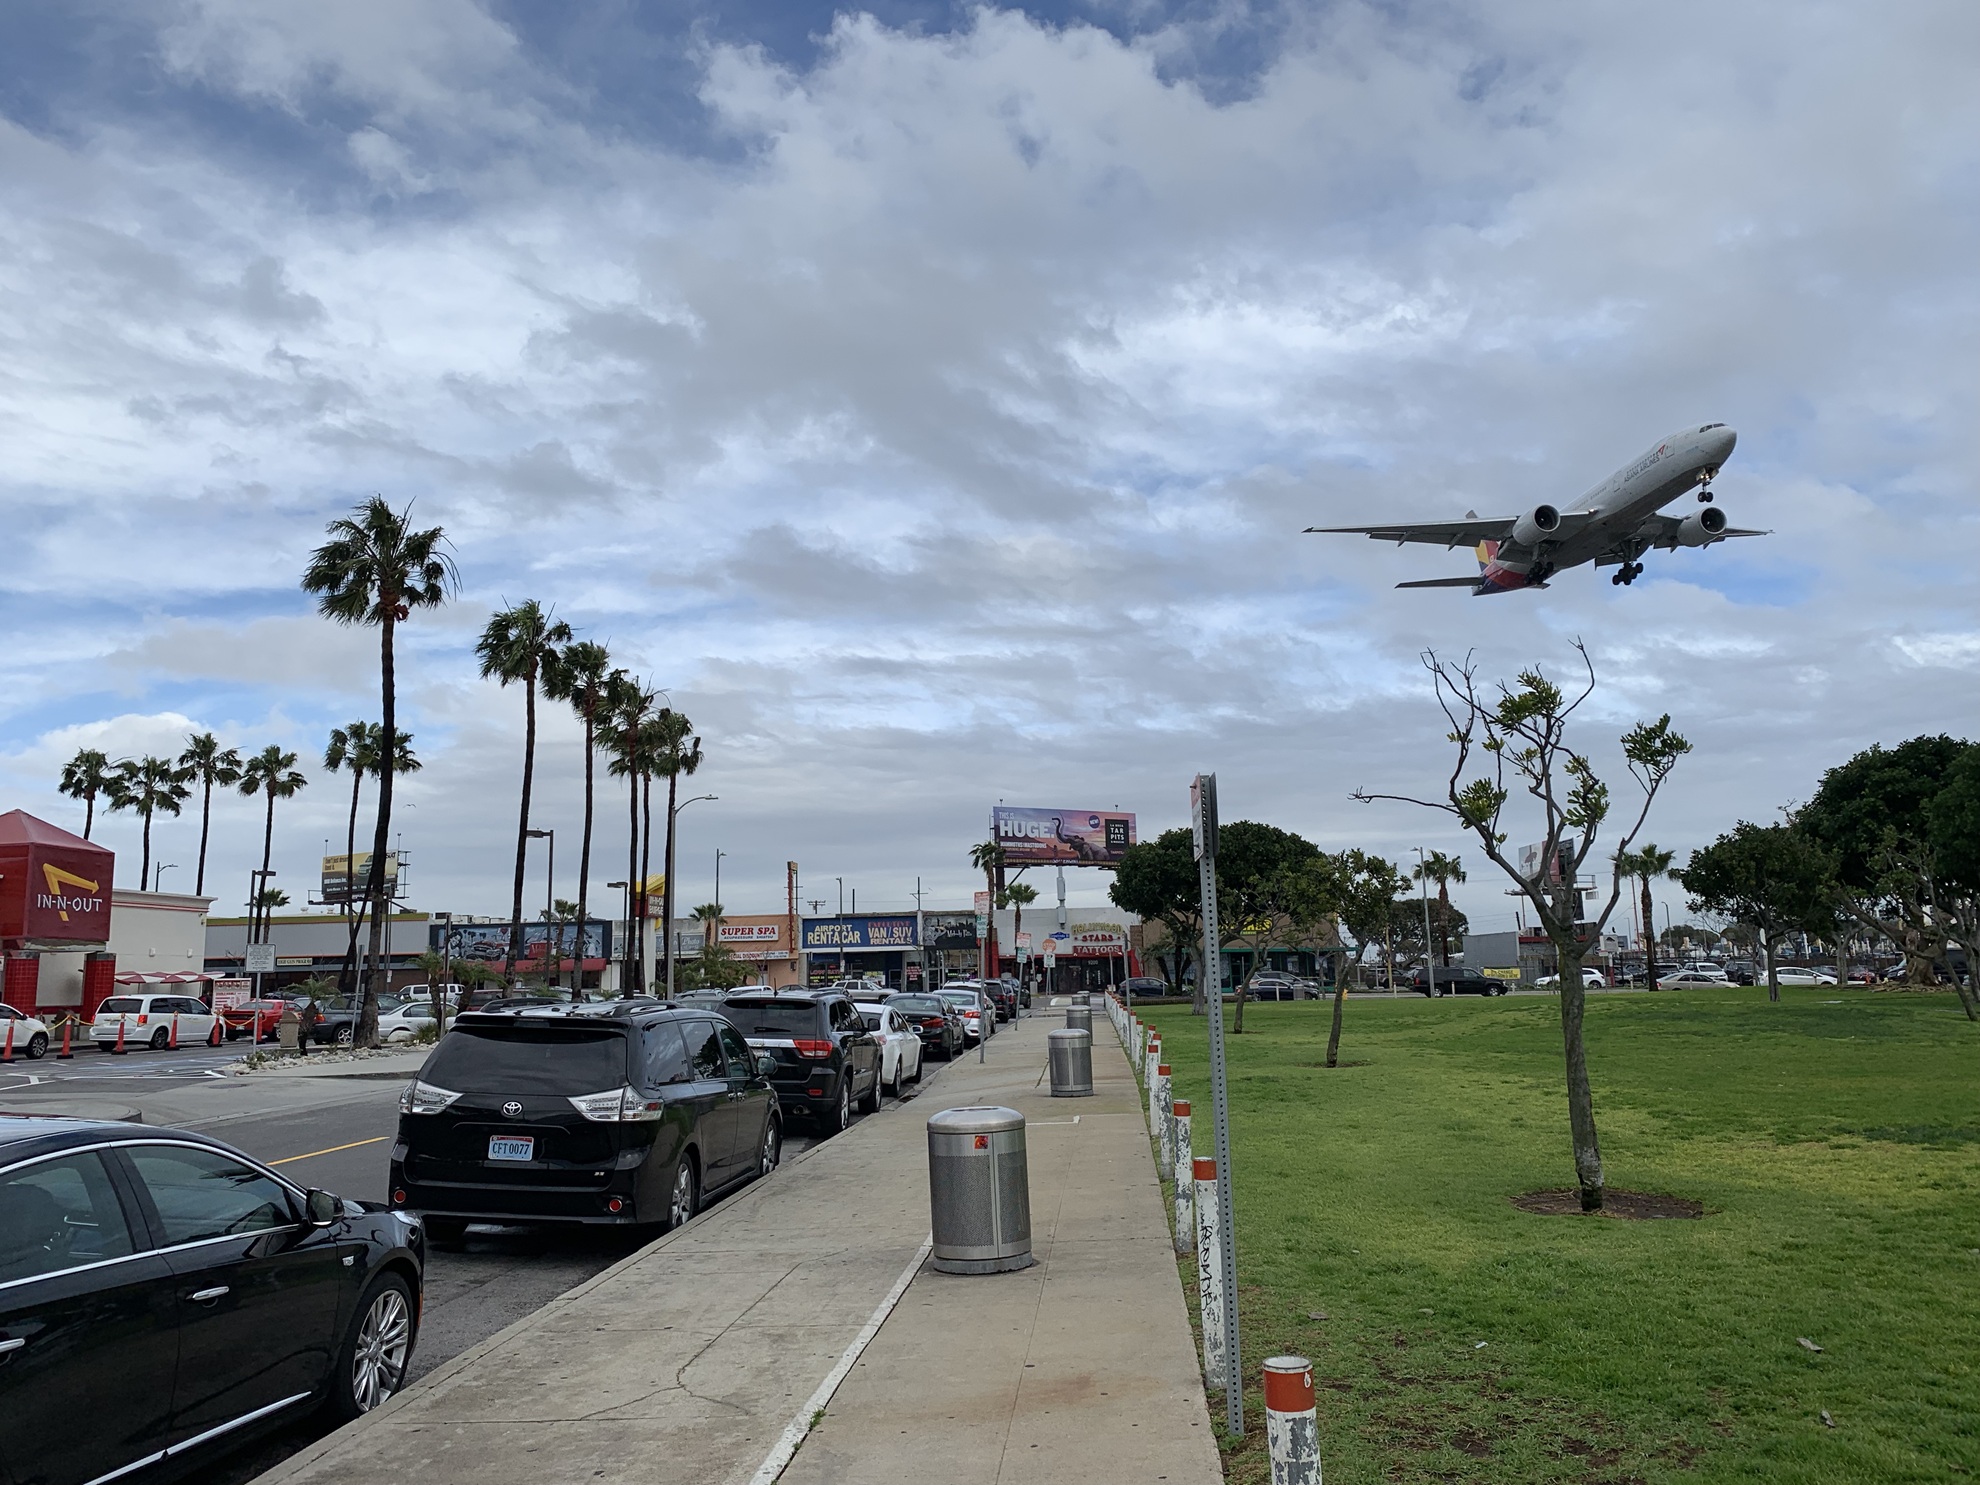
54,886
1044,837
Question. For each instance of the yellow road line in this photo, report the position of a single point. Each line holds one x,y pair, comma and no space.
354,1144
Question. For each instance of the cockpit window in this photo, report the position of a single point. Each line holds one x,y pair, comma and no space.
1710,426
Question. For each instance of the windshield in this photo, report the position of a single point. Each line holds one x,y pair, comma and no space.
529,1059
119,1005
778,1018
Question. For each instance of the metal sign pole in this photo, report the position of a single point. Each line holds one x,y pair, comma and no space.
1203,812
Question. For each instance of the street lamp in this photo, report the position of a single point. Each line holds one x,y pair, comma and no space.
158,874
668,892
552,956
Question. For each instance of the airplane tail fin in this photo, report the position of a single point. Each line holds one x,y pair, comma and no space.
1456,582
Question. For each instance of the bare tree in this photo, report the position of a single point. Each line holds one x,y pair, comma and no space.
1521,733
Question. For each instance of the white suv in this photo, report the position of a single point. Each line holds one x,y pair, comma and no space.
148,1021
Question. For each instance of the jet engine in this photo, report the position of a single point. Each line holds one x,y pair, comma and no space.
1702,528
1536,526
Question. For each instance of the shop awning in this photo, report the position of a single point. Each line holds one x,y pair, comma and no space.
136,978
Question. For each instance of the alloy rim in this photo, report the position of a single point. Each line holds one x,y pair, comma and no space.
771,1144
845,1106
683,1193
383,1342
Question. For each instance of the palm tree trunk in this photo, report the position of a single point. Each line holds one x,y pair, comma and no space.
259,911
144,866
635,887
365,1033
1444,921
584,865
646,871
522,823
205,819
89,812
1649,928
667,883
353,913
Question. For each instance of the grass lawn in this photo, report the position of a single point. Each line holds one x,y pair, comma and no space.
1833,1138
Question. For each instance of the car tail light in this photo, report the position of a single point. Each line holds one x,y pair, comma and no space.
616,1204
618,1106
934,1023
398,1198
424,1098
143,1017
816,1050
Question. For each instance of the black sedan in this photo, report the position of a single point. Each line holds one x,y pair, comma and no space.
163,1297
939,1023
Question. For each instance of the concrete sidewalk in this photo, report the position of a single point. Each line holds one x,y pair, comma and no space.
688,1361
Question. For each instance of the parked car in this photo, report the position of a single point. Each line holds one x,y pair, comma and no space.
935,1020
407,1022
1659,969
1272,984
1683,978
257,1020
336,1017
900,1045
30,1032
1797,974
608,1114
973,1006
177,1297
1739,971
825,1062
1145,985
1459,981
148,1021
1003,998
1591,978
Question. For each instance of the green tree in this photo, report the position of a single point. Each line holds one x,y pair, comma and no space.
1443,870
676,755
515,647
84,777
1158,881
271,773
1017,897
629,738
1365,892
206,763
148,787
1518,737
1645,865
359,749
1952,835
582,677
1270,882
374,570
1772,878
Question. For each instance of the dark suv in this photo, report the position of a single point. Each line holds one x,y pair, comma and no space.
827,1062
624,1115
1452,980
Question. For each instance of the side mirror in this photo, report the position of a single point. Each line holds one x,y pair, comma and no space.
766,1065
322,1208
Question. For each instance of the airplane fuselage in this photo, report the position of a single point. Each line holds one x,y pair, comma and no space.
1673,467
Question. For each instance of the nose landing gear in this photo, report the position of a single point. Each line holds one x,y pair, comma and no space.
1705,496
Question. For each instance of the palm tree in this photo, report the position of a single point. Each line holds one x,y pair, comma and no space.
375,569
988,858
148,786
1443,870
1646,864
207,763
676,755
1019,896
272,774
582,676
628,735
359,749
709,916
516,646
84,777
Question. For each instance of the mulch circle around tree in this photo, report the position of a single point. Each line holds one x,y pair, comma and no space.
1630,1206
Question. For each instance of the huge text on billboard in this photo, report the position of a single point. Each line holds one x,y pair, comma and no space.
1033,837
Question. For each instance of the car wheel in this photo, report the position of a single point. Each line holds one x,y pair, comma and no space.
870,1103
345,1036
894,1087
842,1114
773,1146
916,1079
37,1047
372,1365
161,1039
686,1198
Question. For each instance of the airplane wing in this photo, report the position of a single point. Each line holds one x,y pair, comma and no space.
1457,582
1662,531
1451,534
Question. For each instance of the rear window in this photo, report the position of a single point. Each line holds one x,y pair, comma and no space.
871,1018
529,1059
121,1005
918,1005
776,1018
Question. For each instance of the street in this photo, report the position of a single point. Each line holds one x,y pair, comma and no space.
333,1133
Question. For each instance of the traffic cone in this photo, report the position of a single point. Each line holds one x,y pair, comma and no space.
7,1053
119,1048
213,1036
173,1042
65,1054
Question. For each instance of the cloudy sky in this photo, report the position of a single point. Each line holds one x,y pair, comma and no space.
930,397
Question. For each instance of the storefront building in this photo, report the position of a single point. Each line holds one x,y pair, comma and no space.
886,946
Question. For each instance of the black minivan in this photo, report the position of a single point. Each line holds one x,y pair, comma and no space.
601,1114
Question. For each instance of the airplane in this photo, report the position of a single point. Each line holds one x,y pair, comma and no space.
1612,525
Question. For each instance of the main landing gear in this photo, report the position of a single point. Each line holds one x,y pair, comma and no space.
1628,573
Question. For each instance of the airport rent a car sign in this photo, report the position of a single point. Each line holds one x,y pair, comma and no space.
54,886
861,933
1044,837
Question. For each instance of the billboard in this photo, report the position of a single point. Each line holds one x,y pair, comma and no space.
54,886
1043,837
949,930
344,876
861,933
490,941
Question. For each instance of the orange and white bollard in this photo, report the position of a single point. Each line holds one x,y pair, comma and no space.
65,1054
213,1037
1209,1273
119,1048
1185,1181
1292,1431
173,1040
7,1052
1158,1111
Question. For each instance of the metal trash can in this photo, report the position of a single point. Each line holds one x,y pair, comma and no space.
1070,1053
979,1190
1079,1018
